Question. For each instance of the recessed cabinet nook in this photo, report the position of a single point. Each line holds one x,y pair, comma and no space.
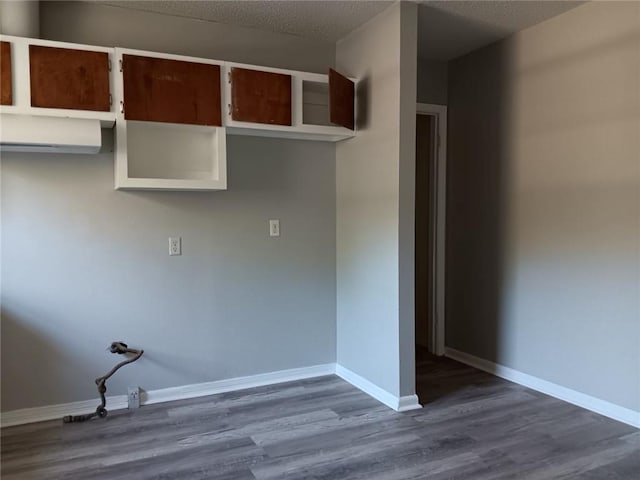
171,113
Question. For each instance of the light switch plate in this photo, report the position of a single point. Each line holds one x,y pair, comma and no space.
274,228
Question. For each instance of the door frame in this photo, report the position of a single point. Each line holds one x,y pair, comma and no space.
439,202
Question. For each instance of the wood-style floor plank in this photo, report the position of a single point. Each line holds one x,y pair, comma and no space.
474,426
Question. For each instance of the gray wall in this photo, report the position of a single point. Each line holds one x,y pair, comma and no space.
21,19
432,81
83,265
371,169
543,240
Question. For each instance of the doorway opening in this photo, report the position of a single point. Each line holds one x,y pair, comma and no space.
430,212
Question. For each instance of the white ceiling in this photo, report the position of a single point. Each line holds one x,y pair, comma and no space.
447,29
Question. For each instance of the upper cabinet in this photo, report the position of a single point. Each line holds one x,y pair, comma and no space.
6,79
57,79
260,97
168,90
171,112
168,126
286,103
69,78
47,78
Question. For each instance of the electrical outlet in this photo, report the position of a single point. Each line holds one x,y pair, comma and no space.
133,397
175,246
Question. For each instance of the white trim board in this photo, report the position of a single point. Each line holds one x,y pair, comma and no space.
439,202
602,407
117,402
52,412
399,404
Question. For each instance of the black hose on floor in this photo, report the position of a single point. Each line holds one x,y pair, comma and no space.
120,348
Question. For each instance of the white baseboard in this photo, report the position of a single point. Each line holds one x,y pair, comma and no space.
408,402
117,402
233,384
50,412
400,404
608,409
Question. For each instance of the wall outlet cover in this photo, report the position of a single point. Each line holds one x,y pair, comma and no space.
133,397
175,246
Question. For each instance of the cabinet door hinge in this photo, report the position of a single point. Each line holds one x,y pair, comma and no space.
110,99
229,107
229,76
120,62
122,107
109,64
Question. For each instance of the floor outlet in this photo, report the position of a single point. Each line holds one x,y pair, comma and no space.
133,397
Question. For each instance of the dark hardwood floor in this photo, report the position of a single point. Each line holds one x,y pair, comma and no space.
474,426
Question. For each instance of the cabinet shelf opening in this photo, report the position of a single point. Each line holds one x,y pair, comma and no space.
315,103
172,151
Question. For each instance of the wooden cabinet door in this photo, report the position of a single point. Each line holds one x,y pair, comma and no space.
68,78
260,97
6,85
341,100
174,91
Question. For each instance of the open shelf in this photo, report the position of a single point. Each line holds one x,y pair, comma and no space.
315,103
157,156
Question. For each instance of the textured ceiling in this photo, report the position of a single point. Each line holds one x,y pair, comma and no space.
447,29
